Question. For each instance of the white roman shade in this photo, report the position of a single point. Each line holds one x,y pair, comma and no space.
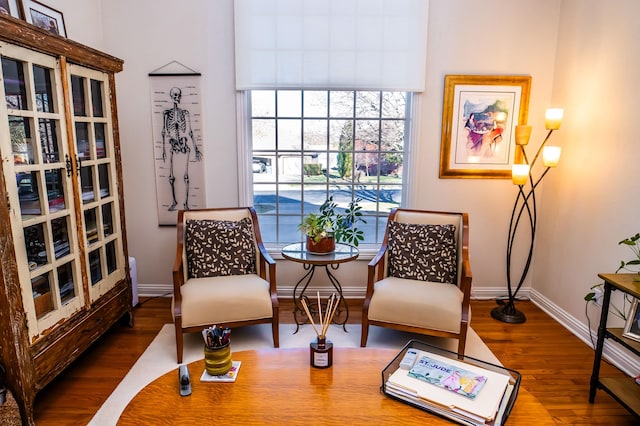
338,44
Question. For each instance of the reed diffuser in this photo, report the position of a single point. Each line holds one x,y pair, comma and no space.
321,349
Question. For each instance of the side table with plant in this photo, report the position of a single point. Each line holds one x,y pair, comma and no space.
330,225
632,266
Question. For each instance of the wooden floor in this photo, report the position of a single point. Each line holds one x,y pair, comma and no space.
555,365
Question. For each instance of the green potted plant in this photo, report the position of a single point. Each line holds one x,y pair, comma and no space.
632,265
331,225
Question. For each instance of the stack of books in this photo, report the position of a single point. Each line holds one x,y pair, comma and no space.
460,391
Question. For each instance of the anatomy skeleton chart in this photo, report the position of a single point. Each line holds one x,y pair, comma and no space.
177,140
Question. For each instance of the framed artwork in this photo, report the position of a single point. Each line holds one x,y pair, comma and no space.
10,7
632,326
44,17
478,124
177,143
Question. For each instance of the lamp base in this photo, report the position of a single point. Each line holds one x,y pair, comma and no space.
508,313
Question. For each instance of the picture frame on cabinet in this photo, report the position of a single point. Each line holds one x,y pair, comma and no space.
632,325
11,8
45,17
479,116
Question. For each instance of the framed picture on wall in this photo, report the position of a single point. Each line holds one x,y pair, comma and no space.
632,326
44,17
478,120
10,7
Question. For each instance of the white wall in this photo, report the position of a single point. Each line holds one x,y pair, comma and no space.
83,20
590,201
465,37
580,54
150,34
498,37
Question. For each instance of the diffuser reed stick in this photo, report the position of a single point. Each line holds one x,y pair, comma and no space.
306,309
323,320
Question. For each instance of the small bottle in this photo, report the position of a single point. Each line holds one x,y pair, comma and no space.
321,352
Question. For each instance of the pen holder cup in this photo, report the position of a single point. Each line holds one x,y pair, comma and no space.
217,360
321,353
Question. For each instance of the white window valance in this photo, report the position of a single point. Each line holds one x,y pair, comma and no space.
349,44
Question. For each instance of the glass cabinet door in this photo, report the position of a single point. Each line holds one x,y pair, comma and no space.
96,159
42,200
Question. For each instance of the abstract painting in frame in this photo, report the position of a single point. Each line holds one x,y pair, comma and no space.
478,121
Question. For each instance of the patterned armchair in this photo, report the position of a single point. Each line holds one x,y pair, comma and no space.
222,273
420,280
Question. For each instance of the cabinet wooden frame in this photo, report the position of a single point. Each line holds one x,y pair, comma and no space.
32,362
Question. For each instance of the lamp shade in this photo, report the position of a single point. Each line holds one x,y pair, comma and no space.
519,173
551,155
523,132
553,118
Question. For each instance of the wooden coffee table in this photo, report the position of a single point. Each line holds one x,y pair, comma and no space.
278,386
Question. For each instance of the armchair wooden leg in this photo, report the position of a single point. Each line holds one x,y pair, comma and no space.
364,332
179,339
276,333
462,341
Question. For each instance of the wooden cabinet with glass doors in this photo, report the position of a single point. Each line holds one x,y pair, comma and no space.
64,259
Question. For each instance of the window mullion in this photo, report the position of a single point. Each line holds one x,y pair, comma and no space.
287,186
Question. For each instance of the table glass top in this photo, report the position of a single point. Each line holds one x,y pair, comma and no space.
298,252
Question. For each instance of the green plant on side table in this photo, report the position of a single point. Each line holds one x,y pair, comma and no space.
628,266
331,225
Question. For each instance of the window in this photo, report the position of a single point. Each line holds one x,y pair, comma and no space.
309,144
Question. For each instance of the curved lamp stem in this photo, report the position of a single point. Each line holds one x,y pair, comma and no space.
525,203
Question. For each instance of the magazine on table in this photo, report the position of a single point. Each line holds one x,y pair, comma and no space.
447,376
482,409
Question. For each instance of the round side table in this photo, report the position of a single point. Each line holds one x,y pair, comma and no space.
297,252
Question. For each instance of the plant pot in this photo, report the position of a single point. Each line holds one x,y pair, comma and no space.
324,246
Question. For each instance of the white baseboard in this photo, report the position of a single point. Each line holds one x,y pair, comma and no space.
613,352
155,290
353,292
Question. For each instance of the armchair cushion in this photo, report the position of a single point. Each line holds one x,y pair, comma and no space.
401,301
218,300
423,252
219,248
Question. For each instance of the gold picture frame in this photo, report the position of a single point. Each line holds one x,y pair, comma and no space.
478,120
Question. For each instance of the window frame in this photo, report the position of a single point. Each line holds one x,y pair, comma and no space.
245,159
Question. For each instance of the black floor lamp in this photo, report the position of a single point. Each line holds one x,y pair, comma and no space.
525,208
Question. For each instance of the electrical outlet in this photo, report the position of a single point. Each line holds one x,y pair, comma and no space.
597,298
